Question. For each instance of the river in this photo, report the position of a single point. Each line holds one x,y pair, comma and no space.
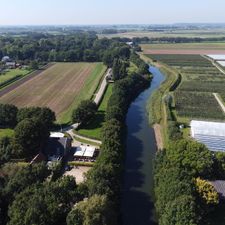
137,203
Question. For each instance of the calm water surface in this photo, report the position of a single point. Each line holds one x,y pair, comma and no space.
137,203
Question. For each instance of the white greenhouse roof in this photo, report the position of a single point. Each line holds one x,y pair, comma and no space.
222,63
212,134
56,134
217,57
80,151
89,152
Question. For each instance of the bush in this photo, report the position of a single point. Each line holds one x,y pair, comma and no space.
84,112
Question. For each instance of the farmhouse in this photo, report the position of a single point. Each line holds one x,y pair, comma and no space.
212,134
57,148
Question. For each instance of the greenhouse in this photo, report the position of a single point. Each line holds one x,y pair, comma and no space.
212,134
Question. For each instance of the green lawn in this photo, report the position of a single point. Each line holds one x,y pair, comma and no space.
6,133
93,129
12,73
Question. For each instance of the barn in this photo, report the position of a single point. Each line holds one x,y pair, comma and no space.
212,134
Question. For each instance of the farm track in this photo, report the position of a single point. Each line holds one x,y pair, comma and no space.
220,102
23,80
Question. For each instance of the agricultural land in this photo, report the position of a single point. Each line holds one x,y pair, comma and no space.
61,88
200,79
185,48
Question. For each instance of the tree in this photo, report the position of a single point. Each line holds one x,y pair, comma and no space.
180,211
34,65
8,114
47,203
95,211
44,114
25,177
84,112
5,149
30,137
206,191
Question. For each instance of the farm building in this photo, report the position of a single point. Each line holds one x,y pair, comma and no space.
57,148
219,186
212,134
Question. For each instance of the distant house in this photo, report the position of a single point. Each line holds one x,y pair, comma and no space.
219,186
57,148
6,59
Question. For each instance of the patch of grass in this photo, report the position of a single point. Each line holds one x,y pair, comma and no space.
11,75
93,129
6,133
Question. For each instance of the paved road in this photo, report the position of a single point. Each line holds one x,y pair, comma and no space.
103,87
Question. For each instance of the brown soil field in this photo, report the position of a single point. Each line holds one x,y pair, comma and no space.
184,52
60,87
185,48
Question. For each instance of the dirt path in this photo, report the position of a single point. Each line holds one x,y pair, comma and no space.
158,136
219,101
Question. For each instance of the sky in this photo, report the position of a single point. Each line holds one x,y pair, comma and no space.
83,12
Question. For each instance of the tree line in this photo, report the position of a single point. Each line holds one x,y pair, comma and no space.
182,191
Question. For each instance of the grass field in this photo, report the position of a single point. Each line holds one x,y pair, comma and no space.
12,74
185,48
93,129
61,88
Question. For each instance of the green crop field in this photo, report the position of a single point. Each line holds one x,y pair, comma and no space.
200,79
11,74
60,87
93,129
197,105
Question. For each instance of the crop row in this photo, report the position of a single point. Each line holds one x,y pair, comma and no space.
197,105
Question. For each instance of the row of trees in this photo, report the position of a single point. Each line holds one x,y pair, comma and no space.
105,177
81,46
10,115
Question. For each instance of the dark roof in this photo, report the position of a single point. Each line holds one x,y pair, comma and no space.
219,185
56,146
